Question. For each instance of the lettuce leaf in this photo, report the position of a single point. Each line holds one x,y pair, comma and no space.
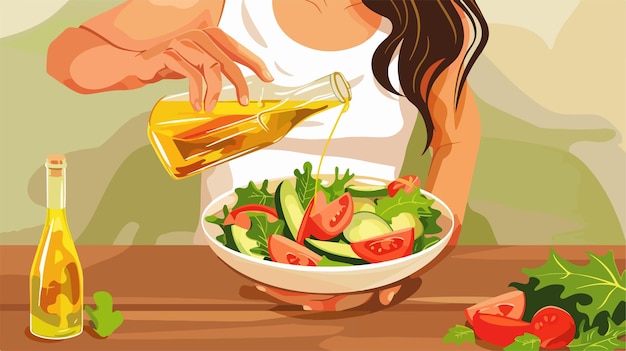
592,339
260,231
305,184
599,279
526,342
459,334
254,195
338,186
414,202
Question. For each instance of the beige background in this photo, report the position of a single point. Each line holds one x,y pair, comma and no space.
550,85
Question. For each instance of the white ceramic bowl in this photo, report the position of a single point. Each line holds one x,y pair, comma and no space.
325,280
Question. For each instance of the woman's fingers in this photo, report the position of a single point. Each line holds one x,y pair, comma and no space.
227,66
239,53
338,303
204,55
213,77
318,302
177,63
291,297
385,296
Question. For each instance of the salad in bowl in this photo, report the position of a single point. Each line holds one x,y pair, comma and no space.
330,234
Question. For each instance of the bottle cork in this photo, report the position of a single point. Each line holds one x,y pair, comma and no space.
55,164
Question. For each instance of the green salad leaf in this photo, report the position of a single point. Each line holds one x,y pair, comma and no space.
103,318
338,186
305,184
261,229
599,279
526,342
459,334
429,221
254,195
218,220
414,202
592,339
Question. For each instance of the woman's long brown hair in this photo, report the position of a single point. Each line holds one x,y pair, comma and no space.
430,36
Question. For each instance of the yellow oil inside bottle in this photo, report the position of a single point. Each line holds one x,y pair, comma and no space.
56,276
56,289
188,142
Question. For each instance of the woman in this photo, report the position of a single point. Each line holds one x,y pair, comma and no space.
433,43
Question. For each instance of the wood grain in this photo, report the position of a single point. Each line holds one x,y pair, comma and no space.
184,298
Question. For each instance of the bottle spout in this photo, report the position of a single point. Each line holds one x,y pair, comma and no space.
341,87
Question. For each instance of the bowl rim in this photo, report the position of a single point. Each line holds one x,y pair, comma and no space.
324,269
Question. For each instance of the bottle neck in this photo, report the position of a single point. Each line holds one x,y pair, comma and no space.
56,189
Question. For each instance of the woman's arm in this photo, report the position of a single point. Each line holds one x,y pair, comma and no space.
456,136
455,144
144,41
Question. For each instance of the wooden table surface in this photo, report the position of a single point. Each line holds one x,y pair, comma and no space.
184,298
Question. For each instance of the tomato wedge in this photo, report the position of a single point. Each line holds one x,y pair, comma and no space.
284,250
326,220
238,215
408,183
499,330
385,247
332,218
511,304
554,326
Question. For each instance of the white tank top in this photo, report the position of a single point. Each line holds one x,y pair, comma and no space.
371,137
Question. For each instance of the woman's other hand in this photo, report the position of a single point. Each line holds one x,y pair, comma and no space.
328,302
202,56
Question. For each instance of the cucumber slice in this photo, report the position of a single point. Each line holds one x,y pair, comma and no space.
363,204
408,220
289,208
243,242
365,225
335,251
367,190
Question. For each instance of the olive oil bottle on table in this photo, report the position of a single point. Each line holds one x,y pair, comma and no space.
56,276
188,142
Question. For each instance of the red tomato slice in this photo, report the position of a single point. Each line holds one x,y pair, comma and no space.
284,250
238,215
408,183
332,218
307,226
511,304
499,330
554,326
326,220
385,247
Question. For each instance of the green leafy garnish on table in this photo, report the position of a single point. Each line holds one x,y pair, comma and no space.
526,342
599,279
592,339
261,229
459,334
103,318
594,294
